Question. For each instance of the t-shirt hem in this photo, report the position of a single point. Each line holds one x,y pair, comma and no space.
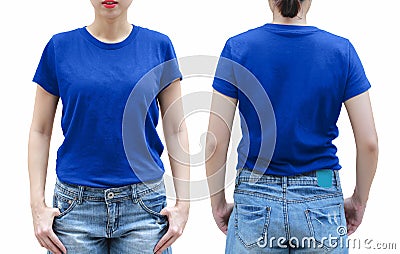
358,91
224,91
41,83
88,183
268,171
177,76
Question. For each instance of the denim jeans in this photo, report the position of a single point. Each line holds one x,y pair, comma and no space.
293,214
116,220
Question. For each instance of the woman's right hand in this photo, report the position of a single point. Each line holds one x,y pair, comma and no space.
221,216
43,218
354,211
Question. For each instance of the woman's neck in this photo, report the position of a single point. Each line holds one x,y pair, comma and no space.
296,21
110,30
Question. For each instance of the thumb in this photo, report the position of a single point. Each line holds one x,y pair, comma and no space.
164,211
224,229
230,207
56,212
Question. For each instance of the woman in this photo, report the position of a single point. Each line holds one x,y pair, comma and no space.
107,200
289,201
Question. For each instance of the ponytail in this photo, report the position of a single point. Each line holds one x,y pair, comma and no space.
289,8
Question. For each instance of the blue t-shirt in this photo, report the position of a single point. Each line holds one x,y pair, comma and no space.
95,80
307,74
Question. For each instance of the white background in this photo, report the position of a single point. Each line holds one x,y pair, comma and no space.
197,27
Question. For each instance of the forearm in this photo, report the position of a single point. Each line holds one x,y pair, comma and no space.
38,154
216,170
219,132
367,159
178,149
361,117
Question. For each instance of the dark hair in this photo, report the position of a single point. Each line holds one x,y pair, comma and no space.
289,8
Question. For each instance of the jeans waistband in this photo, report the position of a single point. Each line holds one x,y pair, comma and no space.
134,191
309,178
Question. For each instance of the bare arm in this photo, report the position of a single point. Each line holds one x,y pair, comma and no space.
176,138
39,144
38,155
219,132
362,121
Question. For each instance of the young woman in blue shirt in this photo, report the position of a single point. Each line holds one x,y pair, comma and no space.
290,81
111,77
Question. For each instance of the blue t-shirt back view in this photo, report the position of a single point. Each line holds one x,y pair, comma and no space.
94,81
307,74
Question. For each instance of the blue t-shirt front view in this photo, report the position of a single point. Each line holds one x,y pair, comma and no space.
94,81
307,74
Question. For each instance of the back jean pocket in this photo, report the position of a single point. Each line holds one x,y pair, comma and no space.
251,224
325,225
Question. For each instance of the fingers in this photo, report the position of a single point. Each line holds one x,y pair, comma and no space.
166,245
177,219
51,246
49,240
223,228
160,245
222,220
159,248
41,243
230,207
57,242
351,229
166,241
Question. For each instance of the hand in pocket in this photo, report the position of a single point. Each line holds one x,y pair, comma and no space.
43,218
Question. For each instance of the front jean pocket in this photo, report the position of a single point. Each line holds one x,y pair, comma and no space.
325,225
251,224
63,203
153,202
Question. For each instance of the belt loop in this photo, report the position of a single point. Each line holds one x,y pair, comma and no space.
237,181
284,182
337,178
134,193
80,194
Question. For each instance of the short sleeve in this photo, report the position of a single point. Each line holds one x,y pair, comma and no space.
357,82
224,80
170,68
45,75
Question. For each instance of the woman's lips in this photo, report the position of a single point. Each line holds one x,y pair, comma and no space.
109,4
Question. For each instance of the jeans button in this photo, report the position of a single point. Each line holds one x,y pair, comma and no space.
110,195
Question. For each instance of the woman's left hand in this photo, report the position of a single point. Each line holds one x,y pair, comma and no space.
177,218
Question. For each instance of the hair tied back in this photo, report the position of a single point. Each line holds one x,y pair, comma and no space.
289,8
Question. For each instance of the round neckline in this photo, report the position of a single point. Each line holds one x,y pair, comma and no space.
293,28
110,46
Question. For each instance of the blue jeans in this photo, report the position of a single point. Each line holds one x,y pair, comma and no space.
116,220
293,214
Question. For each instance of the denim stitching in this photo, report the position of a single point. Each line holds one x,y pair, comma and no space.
264,231
257,194
141,203
68,192
63,199
312,231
